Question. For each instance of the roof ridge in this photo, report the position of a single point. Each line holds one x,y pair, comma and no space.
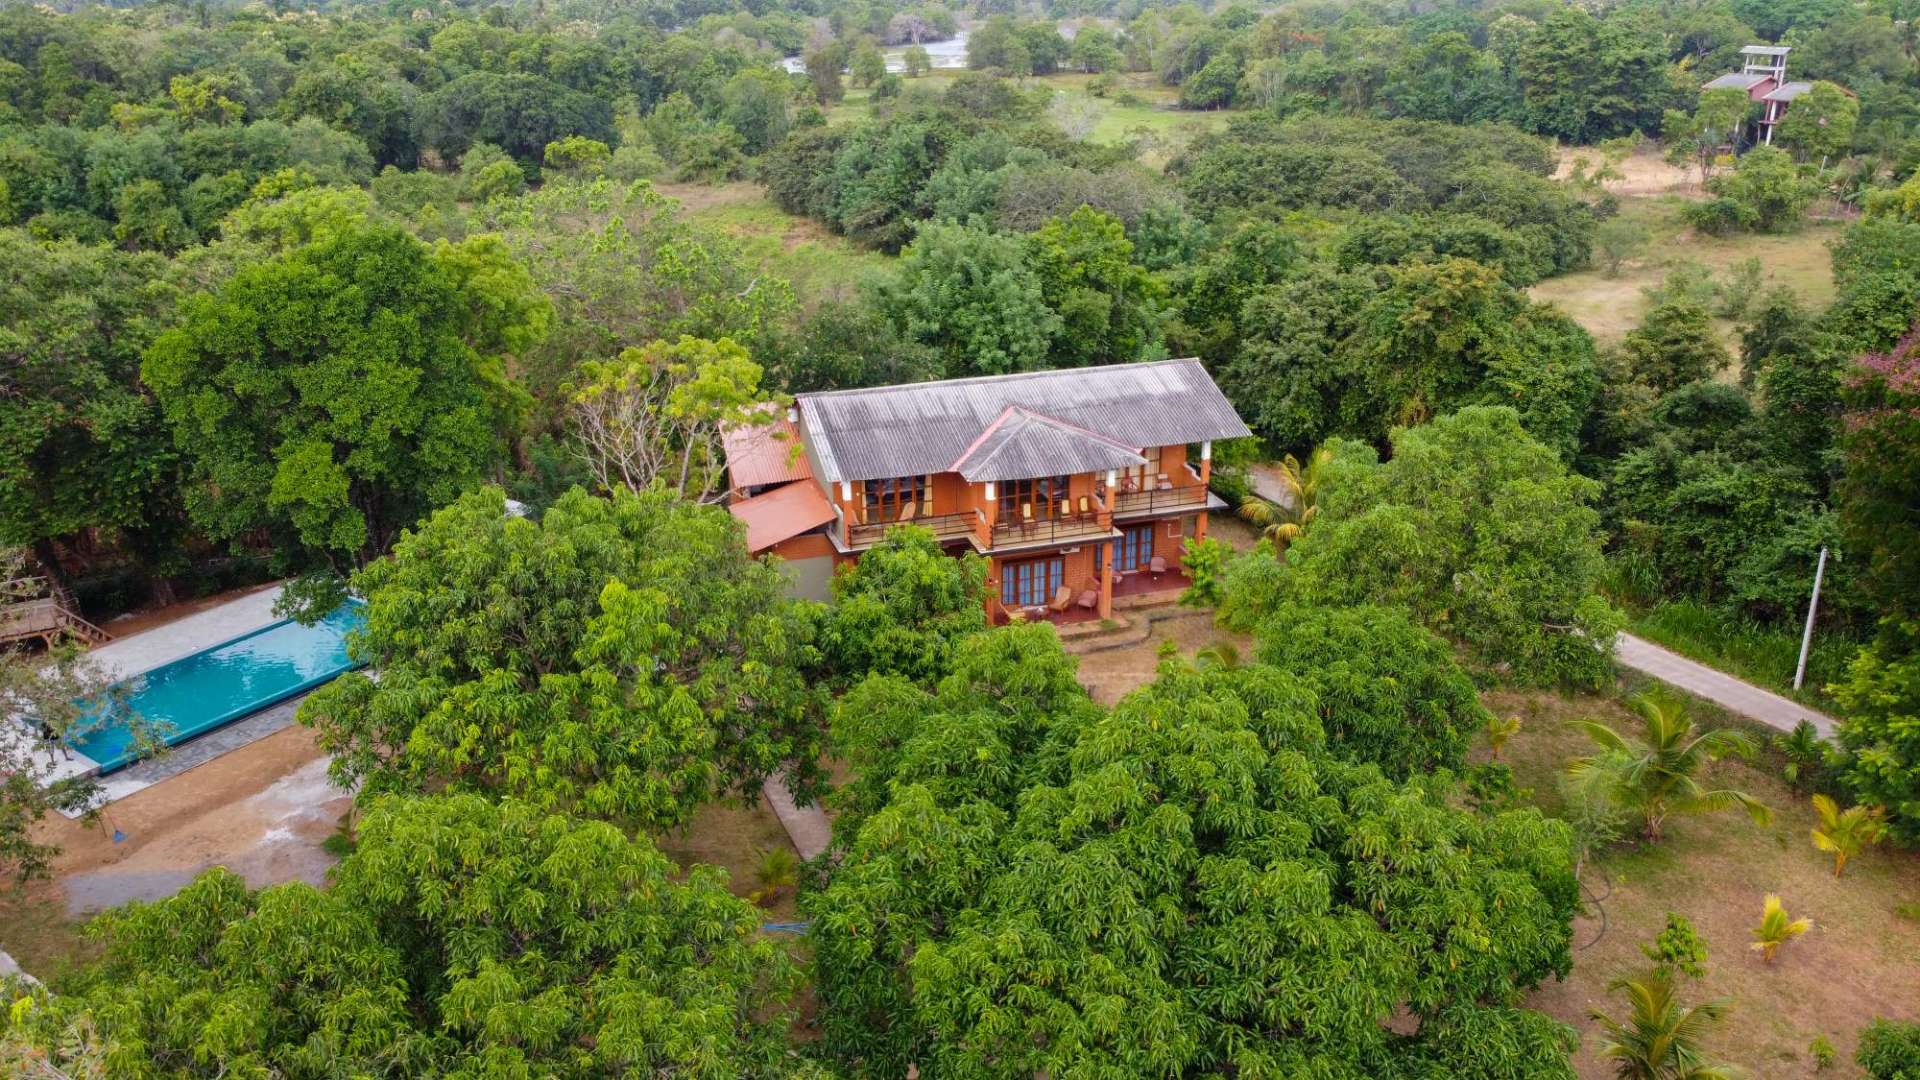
1005,377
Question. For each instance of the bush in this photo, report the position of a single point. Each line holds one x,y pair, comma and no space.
1765,192
1890,1050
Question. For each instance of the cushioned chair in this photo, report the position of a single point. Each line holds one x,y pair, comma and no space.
1157,567
1060,599
1089,600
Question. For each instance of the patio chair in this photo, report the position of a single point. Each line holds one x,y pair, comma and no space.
1086,506
908,512
1089,600
1157,567
1061,598
1026,518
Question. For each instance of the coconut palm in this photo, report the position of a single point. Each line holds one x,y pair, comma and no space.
1805,751
1844,834
1660,1039
1283,520
1499,730
1663,775
1777,928
778,869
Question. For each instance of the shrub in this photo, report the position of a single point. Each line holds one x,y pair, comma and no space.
1890,1050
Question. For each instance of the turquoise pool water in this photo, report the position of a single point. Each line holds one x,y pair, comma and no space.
218,685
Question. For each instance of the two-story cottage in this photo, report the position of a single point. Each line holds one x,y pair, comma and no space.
1073,483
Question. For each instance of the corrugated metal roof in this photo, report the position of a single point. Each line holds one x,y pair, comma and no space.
923,428
1022,443
1736,81
782,514
765,454
1788,91
1767,50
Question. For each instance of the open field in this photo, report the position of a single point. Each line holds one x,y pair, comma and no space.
1138,105
821,266
1610,306
1862,958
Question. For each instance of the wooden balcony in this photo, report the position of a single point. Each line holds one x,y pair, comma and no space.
1160,501
946,527
1046,532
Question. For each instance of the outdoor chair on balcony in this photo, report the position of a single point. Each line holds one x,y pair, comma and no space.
1089,600
1157,567
1165,484
1060,600
1026,519
908,512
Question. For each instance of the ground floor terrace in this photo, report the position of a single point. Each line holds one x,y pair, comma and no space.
1077,583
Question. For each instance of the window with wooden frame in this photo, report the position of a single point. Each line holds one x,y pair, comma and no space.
1047,495
889,499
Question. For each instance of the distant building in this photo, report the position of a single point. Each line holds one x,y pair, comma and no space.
1763,75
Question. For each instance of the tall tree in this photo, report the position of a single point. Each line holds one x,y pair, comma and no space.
1186,884
336,394
971,295
1107,303
1477,528
461,938
82,445
620,658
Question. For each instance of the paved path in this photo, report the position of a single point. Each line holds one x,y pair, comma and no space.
1718,687
807,826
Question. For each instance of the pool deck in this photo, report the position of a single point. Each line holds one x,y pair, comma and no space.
126,657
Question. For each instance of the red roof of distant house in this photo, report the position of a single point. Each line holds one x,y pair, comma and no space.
782,514
765,454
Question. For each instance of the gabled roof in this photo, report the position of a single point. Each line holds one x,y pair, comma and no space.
1022,443
782,514
765,454
1788,91
922,428
1737,81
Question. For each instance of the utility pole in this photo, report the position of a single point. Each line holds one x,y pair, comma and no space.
1806,637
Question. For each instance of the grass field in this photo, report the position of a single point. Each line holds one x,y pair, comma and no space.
1148,110
1862,958
820,265
1610,306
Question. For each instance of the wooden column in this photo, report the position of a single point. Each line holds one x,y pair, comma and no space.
1200,526
1206,463
989,513
1106,583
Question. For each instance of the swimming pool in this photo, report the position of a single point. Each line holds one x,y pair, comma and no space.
222,683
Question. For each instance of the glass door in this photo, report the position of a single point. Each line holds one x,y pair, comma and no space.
1135,548
1031,582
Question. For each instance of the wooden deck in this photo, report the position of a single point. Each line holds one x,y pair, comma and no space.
46,618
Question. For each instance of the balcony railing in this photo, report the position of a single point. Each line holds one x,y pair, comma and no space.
1050,530
1127,503
944,526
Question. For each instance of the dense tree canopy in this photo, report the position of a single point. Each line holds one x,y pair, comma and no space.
461,938
335,394
619,658
1188,883
1474,526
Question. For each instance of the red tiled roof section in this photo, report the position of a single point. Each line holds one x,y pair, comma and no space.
765,454
782,514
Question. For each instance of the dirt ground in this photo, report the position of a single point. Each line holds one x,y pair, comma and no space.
262,811
133,622
1642,173
1860,960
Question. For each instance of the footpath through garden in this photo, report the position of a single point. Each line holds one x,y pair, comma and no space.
1718,687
